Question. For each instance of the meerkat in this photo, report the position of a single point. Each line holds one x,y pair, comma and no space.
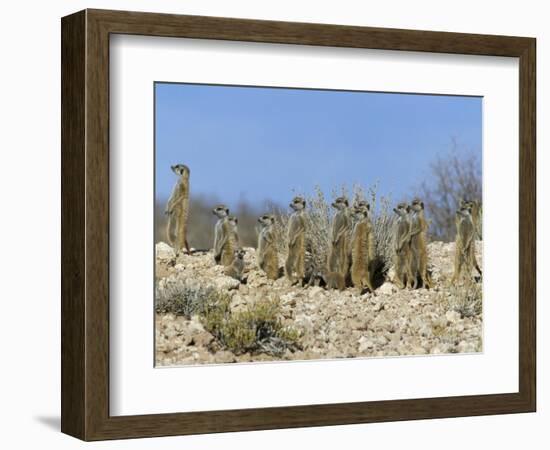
222,241
333,280
233,240
419,246
267,247
464,244
475,208
362,249
338,260
475,211
177,209
236,268
402,246
295,261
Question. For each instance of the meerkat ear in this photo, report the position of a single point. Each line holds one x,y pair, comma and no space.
422,204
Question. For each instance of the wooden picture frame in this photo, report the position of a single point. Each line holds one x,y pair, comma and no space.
85,224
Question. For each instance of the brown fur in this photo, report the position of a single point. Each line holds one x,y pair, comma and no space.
402,247
268,260
236,268
419,246
177,209
338,260
362,250
334,280
464,245
232,242
295,262
222,244
475,212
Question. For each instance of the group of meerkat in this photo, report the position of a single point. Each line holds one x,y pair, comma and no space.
411,246
352,242
410,243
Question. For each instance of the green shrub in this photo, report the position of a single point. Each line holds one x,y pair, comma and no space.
257,329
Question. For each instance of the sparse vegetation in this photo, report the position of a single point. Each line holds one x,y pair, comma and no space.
256,329
466,299
184,297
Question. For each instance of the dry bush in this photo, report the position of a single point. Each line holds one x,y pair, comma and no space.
319,215
466,299
452,177
257,329
184,297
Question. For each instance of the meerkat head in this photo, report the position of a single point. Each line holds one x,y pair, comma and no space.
233,220
464,211
362,204
180,170
239,253
298,204
340,203
266,220
402,209
221,211
463,203
417,205
359,213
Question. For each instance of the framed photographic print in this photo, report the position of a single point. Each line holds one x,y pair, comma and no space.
272,225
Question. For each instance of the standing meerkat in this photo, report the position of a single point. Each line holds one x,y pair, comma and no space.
236,268
333,280
464,244
362,249
402,246
233,240
268,260
177,209
295,261
475,211
338,260
419,245
475,208
223,243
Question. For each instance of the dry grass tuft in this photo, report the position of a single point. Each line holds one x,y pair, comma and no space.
183,297
466,299
257,329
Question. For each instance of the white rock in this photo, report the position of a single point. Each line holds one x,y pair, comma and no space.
164,252
387,288
452,316
225,283
365,344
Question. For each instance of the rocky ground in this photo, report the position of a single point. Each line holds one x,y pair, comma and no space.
332,324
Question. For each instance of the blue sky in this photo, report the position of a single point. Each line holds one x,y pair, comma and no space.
261,143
